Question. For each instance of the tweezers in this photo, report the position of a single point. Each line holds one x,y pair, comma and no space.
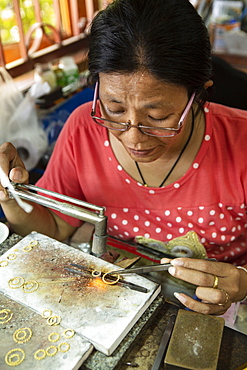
142,269
88,273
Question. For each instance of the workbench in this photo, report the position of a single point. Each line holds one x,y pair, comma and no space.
140,346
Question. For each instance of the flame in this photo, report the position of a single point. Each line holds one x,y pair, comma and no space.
98,283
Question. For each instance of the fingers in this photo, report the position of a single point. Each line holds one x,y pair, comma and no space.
203,307
210,267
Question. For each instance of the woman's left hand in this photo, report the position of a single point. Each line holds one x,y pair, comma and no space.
218,284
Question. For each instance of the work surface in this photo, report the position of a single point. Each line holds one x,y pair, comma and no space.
141,344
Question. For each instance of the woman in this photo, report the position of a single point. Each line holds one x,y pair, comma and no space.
161,160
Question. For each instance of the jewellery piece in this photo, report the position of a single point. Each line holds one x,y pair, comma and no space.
30,246
53,337
3,263
216,282
40,354
68,333
46,313
11,256
30,286
22,335
51,351
63,347
53,320
243,268
16,282
5,315
96,273
110,282
17,353
227,298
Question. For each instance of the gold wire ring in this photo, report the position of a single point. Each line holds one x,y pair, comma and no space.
53,320
110,282
44,315
216,282
33,243
22,335
30,286
30,246
70,335
227,298
7,315
67,347
47,351
16,282
36,355
56,335
10,356
11,256
3,263
96,273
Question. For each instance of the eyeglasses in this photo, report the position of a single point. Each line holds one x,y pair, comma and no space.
147,130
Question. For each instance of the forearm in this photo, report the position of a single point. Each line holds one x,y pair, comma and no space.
41,219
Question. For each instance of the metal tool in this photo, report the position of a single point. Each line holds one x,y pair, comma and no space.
142,269
164,343
87,272
75,208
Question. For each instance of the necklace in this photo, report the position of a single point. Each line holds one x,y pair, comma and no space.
178,158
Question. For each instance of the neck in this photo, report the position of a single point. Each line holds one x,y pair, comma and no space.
176,161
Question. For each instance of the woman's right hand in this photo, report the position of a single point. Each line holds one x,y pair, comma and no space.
13,166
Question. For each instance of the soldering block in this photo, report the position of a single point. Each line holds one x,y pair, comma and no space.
195,342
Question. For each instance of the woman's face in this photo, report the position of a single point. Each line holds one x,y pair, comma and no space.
141,98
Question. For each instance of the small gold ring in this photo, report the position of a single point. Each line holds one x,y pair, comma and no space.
110,282
96,273
227,298
216,282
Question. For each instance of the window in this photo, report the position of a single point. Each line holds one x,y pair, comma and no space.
35,31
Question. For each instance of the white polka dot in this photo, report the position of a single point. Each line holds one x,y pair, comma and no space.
126,233
169,224
113,215
178,219
212,212
189,213
240,214
223,237
120,236
222,248
147,212
135,229
158,218
200,220
147,235
232,238
195,165
151,192
158,230
139,184
242,206
229,208
214,235
239,227
147,223
211,223
136,217
201,208
110,159
232,253
202,231
127,180
190,225
223,228
167,213
206,110
176,185
125,210
181,230
179,208
106,143
222,216
169,236
234,229
125,222
207,137
115,227
238,249
119,167
203,240
220,205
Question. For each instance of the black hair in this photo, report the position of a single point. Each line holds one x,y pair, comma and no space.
165,37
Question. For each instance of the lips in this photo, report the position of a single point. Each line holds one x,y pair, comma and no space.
140,153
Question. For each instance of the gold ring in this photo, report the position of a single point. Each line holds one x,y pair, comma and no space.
216,282
110,282
227,298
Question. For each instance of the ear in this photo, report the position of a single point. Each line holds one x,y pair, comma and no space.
208,84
